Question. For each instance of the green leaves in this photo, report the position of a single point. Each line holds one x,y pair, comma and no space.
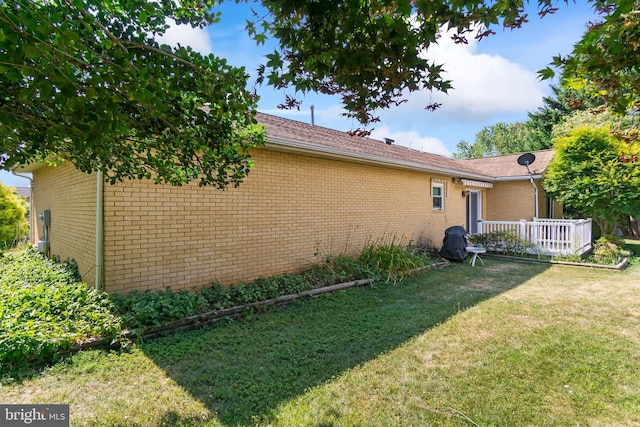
500,139
86,81
132,97
43,310
587,174
13,221
373,53
546,73
605,60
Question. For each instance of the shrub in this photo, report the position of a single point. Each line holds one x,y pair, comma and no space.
13,221
390,261
44,310
607,249
339,268
507,242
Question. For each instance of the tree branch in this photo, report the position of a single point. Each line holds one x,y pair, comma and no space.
138,45
108,33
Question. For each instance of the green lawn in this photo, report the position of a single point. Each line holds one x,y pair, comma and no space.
503,344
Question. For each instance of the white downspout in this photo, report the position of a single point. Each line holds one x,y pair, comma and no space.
31,213
99,284
535,188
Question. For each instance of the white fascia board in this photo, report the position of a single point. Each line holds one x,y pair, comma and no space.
313,150
29,168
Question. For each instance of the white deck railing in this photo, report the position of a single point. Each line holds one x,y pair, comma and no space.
549,236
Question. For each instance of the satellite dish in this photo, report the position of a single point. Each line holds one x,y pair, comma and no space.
526,159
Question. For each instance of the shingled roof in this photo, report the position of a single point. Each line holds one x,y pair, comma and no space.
284,133
290,135
507,166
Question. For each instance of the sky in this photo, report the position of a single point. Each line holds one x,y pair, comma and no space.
494,80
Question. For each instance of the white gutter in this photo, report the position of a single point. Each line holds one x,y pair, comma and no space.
314,150
99,283
31,213
517,178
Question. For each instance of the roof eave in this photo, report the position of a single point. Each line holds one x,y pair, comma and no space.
28,168
517,178
321,151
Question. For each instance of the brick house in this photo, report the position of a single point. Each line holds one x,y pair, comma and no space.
313,192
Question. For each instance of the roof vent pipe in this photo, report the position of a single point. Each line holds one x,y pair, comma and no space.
313,122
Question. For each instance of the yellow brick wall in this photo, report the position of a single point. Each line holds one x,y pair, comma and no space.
71,197
515,200
290,211
510,201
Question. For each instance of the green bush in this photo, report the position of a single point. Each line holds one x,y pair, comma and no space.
608,250
13,221
390,262
506,242
44,311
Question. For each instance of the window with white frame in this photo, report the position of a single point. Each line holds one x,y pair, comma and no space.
437,194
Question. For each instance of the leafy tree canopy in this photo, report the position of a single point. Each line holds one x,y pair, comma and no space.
86,81
605,60
372,53
586,174
497,140
535,133
596,118
555,109
13,222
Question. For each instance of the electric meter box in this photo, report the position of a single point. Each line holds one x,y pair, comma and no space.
45,217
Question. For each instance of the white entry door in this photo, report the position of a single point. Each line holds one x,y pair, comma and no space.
474,211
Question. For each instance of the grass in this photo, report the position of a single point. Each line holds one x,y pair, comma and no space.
504,344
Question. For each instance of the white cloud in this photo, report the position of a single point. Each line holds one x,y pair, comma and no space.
185,35
413,140
484,85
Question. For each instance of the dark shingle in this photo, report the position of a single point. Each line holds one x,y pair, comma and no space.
292,130
490,167
507,166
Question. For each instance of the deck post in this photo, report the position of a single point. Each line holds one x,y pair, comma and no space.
523,229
